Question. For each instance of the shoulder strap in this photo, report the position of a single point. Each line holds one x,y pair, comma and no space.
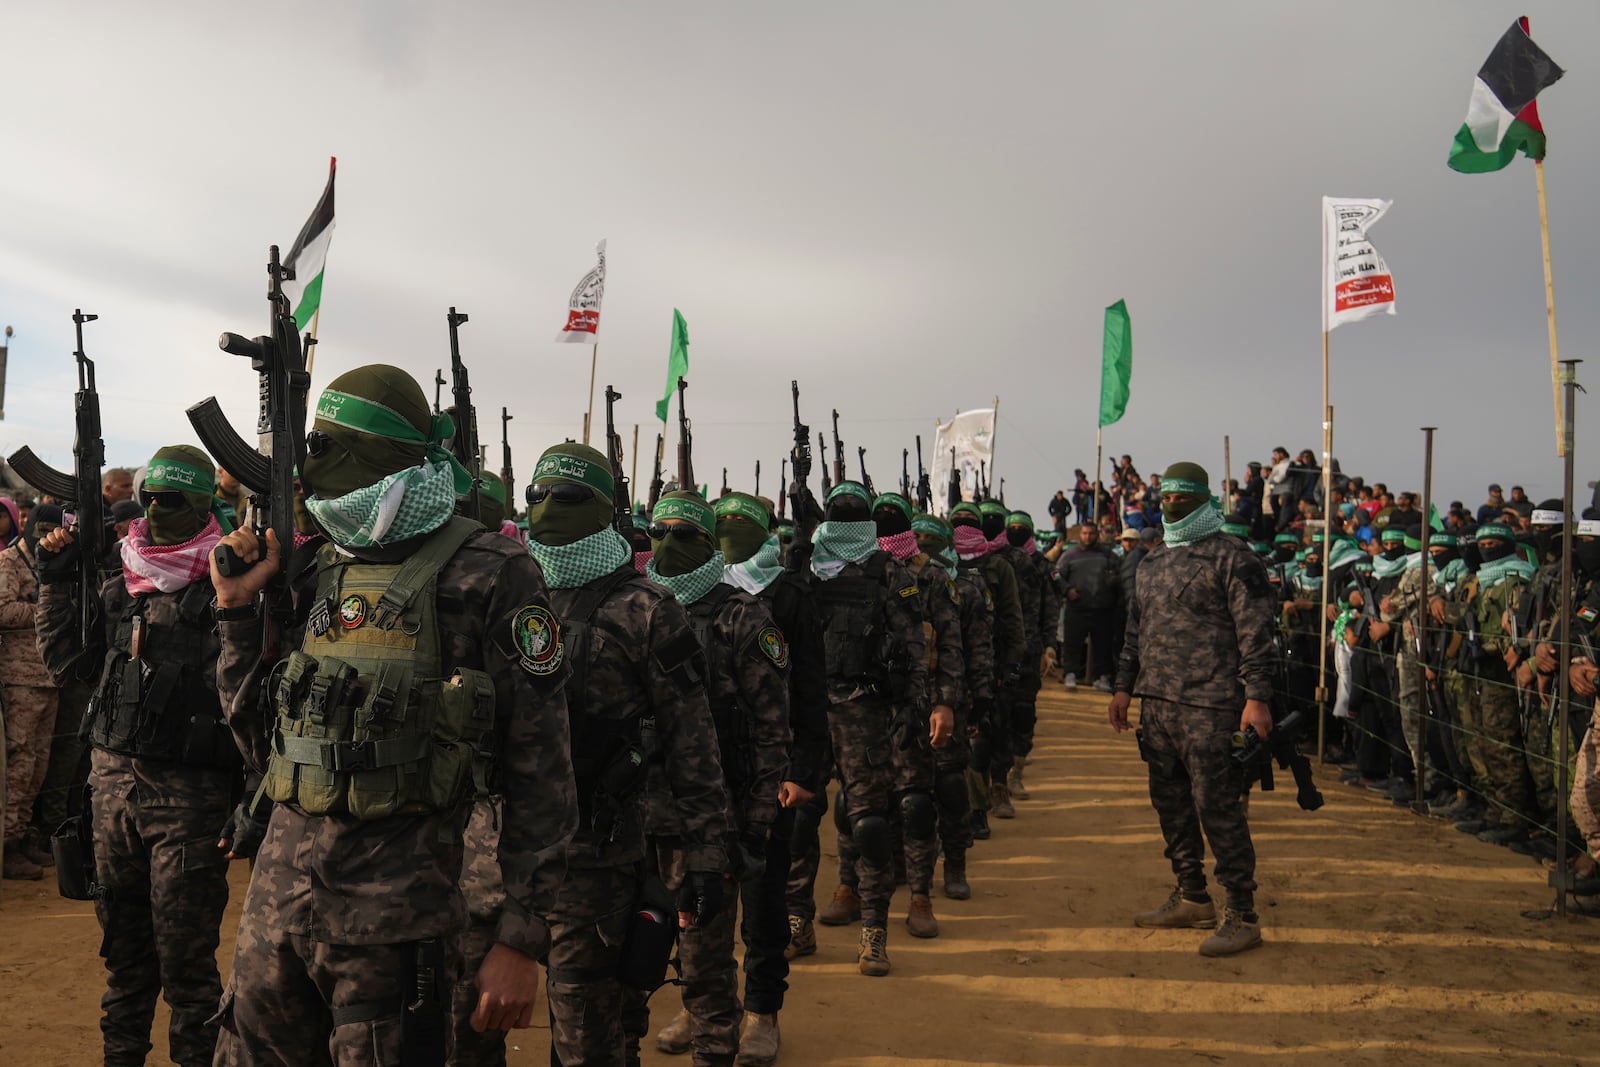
591,596
876,564
711,603
422,566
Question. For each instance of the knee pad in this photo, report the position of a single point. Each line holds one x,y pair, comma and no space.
841,821
950,787
873,838
918,815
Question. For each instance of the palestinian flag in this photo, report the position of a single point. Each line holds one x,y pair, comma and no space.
1503,116
309,254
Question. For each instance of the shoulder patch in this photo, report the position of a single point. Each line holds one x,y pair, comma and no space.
352,611
773,646
955,594
537,636
909,591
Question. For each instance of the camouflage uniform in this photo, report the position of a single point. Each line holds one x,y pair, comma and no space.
1506,782
1009,648
1461,678
154,820
952,761
27,693
1199,644
747,663
863,722
1537,611
1584,743
1407,601
915,760
1040,616
339,908
642,671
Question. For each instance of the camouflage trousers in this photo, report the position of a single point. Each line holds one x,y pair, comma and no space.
1506,786
863,750
710,974
1413,721
1585,797
1023,698
805,857
913,813
1461,689
951,795
155,831
293,1001
484,894
68,764
30,721
586,934
1197,789
1544,746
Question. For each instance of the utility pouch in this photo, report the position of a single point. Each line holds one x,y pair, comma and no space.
1161,764
73,847
423,1021
652,934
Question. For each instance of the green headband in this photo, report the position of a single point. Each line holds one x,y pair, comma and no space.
746,507
1184,486
893,500
968,507
991,507
1414,544
931,526
171,475
1261,548
1020,518
848,488
689,507
363,416
492,487
1490,531
560,467
1391,536
1238,529
1442,540
1286,539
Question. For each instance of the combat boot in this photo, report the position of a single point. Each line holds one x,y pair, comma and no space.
1000,802
802,938
874,958
36,845
674,1038
1014,782
758,1040
919,920
980,825
1240,931
1179,913
17,864
955,876
843,909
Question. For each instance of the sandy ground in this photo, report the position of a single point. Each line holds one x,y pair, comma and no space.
1390,940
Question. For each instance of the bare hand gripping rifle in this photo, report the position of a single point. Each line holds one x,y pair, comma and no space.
268,469
82,486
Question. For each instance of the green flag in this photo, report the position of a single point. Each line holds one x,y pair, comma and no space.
1116,364
677,361
1434,519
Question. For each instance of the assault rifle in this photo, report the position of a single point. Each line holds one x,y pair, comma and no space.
983,481
685,444
438,386
1256,757
924,486
268,470
655,475
953,492
465,442
724,491
82,486
783,479
866,479
827,484
621,493
800,460
505,459
839,474
758,478
905,473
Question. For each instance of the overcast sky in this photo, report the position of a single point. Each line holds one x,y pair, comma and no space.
909,207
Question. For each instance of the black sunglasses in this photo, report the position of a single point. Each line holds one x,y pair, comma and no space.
317,443
165,499
660,531
564,492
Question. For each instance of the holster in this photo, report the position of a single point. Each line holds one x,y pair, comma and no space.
652,934
73,847
424,1021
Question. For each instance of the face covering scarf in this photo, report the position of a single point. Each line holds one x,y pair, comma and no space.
1492,572
149,568
902,546
759,571
1384,567
970,543
569,566
688,588
836,545
1199,524
398,507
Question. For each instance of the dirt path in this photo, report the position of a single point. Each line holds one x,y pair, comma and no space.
1391,940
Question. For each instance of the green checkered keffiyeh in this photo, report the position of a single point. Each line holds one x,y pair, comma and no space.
760,570
688,588
583,561
400,506
1205,521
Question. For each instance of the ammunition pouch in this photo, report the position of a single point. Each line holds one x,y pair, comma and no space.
651,936
1162,764
855,635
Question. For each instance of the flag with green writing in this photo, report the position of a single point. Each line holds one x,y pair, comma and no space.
1116,364
677,361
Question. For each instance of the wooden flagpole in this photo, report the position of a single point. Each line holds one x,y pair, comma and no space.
1327,551
1550,307
994,434
311,355
633,479
594,359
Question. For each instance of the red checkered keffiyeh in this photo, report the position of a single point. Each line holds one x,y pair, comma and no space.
148,568
902,546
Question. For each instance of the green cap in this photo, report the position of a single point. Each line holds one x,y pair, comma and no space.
572,462
894,500
849,488
689,506
745,506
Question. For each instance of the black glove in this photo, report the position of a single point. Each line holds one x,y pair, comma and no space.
752,858
700,896
243,833
59,566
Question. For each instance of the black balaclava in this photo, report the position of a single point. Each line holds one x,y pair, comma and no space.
1501,550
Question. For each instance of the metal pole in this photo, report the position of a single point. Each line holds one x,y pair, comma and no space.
1421,624
1094,508
1227,476
633,479
1562,876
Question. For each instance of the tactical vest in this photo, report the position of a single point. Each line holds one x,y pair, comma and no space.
157,697
728,712
930,636
610,757
855,625
367,724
